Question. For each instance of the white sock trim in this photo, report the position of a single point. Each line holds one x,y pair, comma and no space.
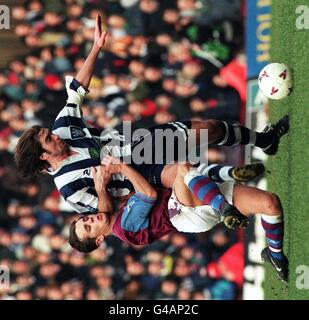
272,219
227,133
204,169
237,133
252,138
193,173
224,173
274,249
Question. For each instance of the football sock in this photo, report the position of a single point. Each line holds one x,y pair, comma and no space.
274,227
236,134
216,172
204,189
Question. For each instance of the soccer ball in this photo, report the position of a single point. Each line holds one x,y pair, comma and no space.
275,80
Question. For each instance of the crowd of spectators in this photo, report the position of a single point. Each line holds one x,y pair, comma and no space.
164,60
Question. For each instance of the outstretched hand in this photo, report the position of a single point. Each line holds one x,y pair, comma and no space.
99,36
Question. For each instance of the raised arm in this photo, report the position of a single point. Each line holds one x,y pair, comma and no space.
85,73
101,178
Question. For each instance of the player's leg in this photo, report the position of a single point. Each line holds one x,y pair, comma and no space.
252,200
217,172
163,172
223,133
208,192
221,172
182,192
174,175
187,212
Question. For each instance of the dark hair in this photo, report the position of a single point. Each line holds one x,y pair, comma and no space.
87,245
28,152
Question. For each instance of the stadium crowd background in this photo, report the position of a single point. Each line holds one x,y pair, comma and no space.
165,60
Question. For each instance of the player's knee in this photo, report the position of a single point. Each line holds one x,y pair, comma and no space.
210,124
214,128
272,204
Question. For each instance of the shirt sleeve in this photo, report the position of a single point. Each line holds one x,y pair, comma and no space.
76,94
135,215
75,91
85,201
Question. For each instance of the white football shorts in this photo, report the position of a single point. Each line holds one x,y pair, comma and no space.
200,218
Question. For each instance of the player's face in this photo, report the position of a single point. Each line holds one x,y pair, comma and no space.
52,143
90,226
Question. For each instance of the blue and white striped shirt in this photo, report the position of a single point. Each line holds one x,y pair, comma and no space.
74,178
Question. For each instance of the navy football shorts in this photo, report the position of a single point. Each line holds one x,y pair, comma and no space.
161,149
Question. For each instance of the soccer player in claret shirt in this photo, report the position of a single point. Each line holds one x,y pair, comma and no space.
71,148
150,214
